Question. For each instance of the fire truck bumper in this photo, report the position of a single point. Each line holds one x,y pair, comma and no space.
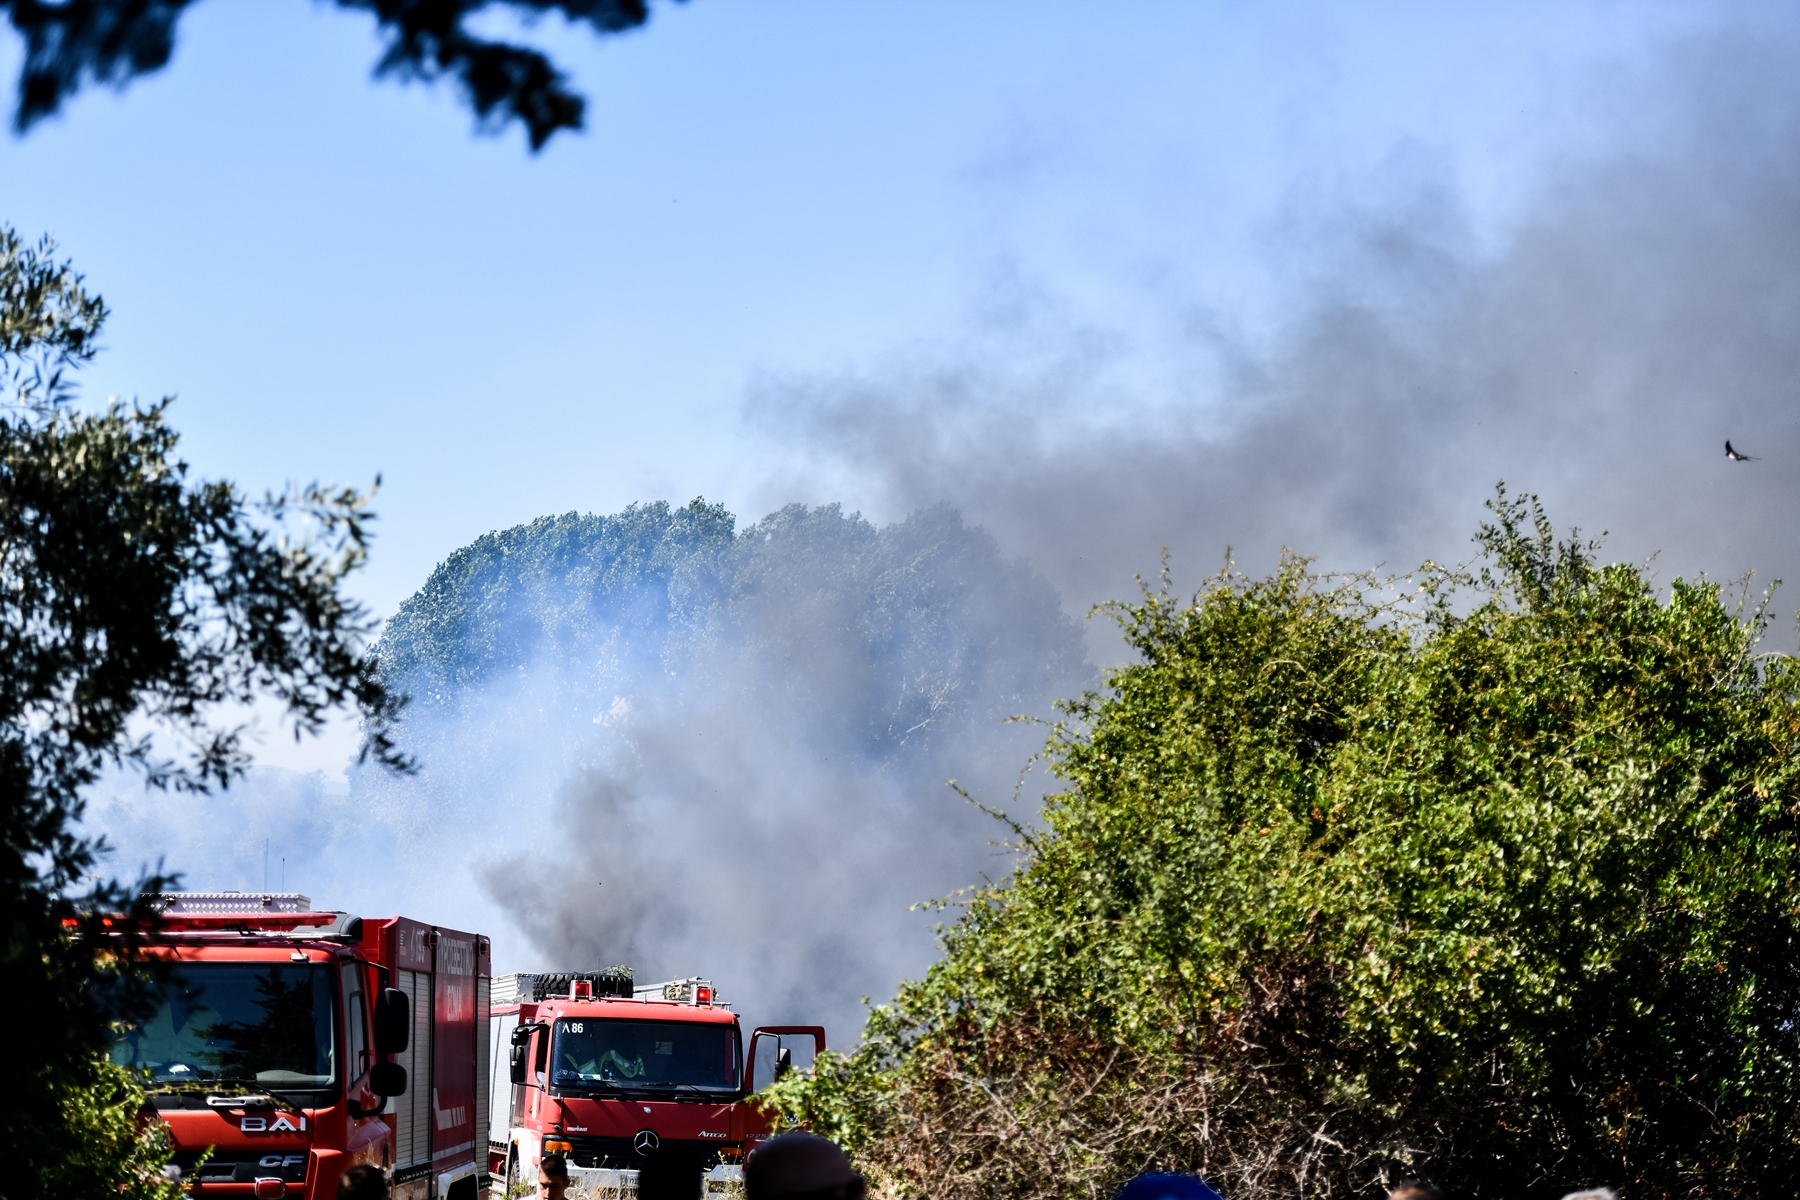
725,1178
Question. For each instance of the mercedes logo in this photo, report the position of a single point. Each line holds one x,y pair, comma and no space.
646,1141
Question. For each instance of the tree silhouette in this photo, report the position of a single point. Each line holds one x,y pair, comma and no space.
114,41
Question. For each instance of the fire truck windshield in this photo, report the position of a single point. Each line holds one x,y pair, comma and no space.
645,1054
242,1023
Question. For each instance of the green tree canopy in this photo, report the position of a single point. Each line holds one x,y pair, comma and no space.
1492,878
138,609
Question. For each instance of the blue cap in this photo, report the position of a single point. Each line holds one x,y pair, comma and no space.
1167,1187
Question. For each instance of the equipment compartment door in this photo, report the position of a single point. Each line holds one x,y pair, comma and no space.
484,1069
412,1111
456,1055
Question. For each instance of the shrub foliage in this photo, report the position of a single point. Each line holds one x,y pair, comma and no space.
1488,876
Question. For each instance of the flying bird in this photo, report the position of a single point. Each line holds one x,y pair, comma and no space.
1734,456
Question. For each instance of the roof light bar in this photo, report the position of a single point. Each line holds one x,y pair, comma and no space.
184,904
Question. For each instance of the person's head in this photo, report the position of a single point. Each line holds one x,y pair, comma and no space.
362,1182
800,1166
1415,1189
1156,1186
553,1177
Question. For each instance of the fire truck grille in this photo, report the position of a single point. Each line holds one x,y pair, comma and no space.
618,1152
244,1166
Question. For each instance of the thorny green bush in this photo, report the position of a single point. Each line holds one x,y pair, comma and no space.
1485,876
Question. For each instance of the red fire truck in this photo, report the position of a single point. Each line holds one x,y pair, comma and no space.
290,1044
610,1074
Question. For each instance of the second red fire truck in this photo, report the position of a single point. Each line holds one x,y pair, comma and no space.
612,1075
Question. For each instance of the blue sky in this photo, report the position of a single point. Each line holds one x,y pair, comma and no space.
339,278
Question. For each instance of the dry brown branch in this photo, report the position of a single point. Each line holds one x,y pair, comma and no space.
1073,1118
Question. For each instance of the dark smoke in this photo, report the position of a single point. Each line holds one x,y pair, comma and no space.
1645,308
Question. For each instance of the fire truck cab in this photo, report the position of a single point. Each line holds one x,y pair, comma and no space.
612,1075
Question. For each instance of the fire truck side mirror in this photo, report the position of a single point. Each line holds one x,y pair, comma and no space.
393,1024
387,1079
520,1060
784,1061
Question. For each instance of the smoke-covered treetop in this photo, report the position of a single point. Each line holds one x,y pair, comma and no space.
553,589
883,632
